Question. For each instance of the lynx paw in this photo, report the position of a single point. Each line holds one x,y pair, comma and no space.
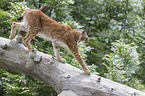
33,50
62,60
87,72
11,37
19,39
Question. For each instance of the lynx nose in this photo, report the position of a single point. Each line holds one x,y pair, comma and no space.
87,41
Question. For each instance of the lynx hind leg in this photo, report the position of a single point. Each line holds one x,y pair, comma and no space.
14,27
29,36
20,35
75,52
56,48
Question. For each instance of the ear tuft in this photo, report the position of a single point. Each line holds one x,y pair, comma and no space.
84,32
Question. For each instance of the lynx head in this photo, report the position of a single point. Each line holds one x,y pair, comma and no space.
84,37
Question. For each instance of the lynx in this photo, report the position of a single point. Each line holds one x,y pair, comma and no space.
35,22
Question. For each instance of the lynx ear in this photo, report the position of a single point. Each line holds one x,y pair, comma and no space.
84,33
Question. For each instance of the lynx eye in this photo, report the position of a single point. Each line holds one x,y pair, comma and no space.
85,39
82,39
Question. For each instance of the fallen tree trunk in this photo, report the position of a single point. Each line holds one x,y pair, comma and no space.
64,78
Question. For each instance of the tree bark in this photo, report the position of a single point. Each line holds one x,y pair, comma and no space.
64,78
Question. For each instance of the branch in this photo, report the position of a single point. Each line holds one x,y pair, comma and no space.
64,78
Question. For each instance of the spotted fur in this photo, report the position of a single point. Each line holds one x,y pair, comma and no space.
35,22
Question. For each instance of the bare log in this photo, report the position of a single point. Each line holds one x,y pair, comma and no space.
64,78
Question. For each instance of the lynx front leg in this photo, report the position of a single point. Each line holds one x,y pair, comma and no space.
75,52
57,52
14,27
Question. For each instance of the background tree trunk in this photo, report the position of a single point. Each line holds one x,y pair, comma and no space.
64,78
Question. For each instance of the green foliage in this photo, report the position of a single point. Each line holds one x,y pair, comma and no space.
43,45
99,13
15,84
16,9
5,4
60,9
5,23
123,63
